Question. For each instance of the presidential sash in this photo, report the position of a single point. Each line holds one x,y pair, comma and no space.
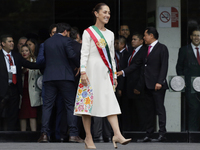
103,48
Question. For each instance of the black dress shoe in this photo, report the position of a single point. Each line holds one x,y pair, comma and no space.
106,139
146,139
43,138
161,138
75,139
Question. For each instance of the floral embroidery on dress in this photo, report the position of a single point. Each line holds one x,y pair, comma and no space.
84,99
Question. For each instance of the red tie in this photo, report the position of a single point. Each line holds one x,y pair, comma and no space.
129,62
149,50
14,79
198,57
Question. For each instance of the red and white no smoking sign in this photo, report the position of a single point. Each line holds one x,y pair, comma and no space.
165,16
168,17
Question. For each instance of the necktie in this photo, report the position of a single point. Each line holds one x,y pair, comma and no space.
14,79
117,61
198,57
149,50
129,62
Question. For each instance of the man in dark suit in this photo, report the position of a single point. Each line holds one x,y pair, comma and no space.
58,77
125,32
155,72
55,131
188,65
11,81
133,116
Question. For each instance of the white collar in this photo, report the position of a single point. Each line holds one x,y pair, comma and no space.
122,50
5,53
154,43
193,46
138,48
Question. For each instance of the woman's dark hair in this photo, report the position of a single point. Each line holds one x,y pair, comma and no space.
97,8
35,42
51,27
152,30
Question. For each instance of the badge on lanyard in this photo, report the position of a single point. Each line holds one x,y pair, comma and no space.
13,69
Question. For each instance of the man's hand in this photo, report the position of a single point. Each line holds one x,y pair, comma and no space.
119,92
119,73
158,86
136,91
78,70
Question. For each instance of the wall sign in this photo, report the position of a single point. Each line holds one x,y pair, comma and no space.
168,17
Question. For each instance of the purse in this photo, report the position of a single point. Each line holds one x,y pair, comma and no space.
84,99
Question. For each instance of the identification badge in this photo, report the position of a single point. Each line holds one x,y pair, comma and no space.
10,76
13,69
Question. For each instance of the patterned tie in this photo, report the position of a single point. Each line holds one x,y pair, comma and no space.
149,50
14,79
129,62
198,57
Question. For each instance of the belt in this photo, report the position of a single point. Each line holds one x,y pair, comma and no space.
11,84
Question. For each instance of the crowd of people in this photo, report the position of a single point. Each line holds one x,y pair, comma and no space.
97,77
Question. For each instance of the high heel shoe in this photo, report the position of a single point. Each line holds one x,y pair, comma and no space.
117,140
89,147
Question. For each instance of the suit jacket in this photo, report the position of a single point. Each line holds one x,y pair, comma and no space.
187,64
58,51
123,57
19,62
133,73
77,48
40,58
156,67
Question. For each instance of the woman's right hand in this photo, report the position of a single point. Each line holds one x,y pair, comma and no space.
84,78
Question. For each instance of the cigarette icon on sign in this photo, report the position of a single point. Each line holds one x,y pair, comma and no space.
164,16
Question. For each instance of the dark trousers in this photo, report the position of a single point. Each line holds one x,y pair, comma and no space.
134,114
155,106
101,127
67,91
10,111
55,120
193,105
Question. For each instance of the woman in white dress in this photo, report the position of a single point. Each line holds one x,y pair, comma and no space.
95,95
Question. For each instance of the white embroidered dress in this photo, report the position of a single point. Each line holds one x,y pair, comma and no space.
104,99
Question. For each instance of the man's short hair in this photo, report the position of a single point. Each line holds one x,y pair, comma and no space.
74,32
139,35
4,38
61,27
152,30
22,38
195,29
122,39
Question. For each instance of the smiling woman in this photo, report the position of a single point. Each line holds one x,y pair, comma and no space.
98,52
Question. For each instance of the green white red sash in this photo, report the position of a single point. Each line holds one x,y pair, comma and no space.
102,47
